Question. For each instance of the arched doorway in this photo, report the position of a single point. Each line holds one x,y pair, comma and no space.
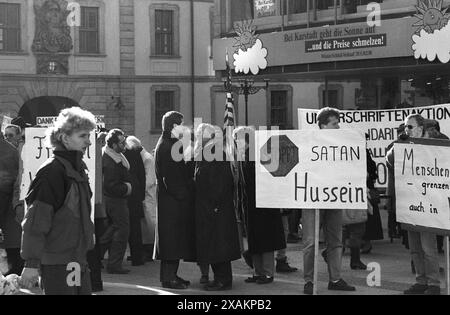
44,106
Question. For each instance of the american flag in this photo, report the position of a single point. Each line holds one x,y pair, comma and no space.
228,119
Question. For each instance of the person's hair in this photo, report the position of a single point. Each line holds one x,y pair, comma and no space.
243,131
203,131
418,118
429,126
17,128
133,143
113,137
171,118
70,120
324,115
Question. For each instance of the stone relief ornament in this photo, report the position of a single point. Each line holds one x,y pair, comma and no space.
52,41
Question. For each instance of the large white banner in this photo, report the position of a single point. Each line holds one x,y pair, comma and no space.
381,126
311,169
422,185
35,153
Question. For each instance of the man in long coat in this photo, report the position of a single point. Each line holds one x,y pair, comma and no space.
175,191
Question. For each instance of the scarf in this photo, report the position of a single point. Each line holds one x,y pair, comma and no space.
117,157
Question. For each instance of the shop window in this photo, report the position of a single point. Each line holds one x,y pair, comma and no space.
241,10
164,23
10,27
164,99
89,30
298,6
350,6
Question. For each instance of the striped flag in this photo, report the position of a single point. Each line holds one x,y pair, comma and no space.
228,119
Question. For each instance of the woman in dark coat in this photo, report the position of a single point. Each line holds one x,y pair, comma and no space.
216,226
175,213
136,199
264,226
374,229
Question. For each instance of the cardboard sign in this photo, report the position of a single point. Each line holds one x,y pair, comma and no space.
422,185
381,126
311,169
49,121
35,153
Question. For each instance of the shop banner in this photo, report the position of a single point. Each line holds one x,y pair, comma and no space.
313,169
381,127
422,185
35,153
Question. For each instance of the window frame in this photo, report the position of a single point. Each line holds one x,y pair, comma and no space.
176,103
85,11
22,28
100,5
175,30
289,101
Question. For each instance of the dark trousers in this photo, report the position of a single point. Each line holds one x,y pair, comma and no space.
119,230
94,256
222,272
294,220
15,261
135,240
168,270
54,281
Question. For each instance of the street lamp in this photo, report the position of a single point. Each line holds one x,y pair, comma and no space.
246,87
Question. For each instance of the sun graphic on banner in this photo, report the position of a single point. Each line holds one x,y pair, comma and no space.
246,36
431,16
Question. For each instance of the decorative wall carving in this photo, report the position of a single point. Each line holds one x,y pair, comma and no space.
52,41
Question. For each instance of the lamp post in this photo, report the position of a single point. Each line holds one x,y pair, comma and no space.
246,87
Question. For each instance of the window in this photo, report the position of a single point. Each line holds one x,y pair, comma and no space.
297,6
335,95
9,27
163,104
164,98
164,32
278,109
241,10
89,30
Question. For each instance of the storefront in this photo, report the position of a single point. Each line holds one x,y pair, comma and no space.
348,66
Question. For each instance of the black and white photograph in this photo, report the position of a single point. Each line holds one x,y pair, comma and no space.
226,153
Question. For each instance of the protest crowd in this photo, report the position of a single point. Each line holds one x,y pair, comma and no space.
172,203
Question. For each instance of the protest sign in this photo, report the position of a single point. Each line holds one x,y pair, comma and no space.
48,121
311,169
422,184
381,127
35,153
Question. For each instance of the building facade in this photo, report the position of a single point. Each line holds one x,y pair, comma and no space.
129,60
349,54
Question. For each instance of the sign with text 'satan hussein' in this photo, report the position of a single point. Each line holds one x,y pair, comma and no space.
331,43
35,153
311,169
422,185
381,127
